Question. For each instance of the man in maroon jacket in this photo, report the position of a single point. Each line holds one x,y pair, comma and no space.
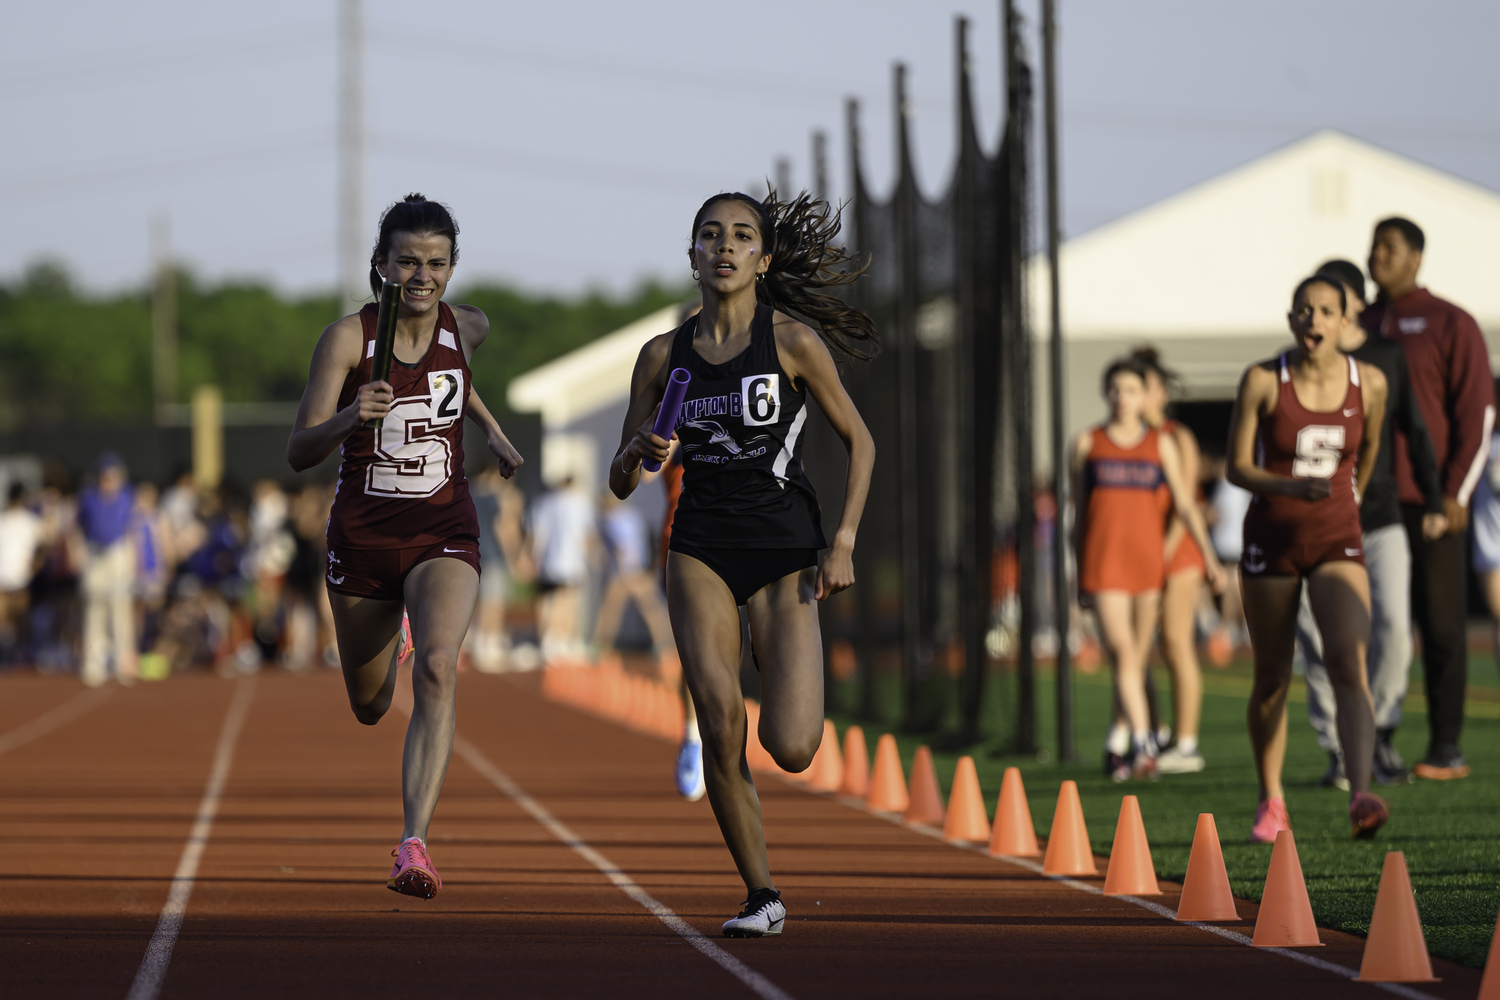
1450,377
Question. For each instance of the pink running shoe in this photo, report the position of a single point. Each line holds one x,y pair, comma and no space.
1367,813
413,874
404,644
1270,819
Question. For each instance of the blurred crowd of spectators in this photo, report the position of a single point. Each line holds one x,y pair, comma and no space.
124,580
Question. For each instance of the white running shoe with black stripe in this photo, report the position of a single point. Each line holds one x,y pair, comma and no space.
762,916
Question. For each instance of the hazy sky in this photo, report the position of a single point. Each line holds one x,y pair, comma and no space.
574,140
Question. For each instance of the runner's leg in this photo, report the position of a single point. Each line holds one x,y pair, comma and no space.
366,633
1340,596
1119,616
787,641
440,597
1179,647
1271,604
706,625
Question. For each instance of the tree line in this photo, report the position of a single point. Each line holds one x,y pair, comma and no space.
76,358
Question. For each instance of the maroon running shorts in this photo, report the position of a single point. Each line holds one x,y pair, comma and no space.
381,573
1266,556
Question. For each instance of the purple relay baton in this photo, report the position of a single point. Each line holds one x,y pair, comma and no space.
671,406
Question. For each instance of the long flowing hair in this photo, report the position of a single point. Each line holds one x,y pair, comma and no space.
799,237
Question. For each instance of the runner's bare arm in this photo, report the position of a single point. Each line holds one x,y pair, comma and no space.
1373,392
1256,398
1184,499
321,426
637,442
505,453
1083,444
811,363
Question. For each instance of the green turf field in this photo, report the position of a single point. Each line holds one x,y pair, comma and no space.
1450,831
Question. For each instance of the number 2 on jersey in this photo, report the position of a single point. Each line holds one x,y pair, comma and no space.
1318,449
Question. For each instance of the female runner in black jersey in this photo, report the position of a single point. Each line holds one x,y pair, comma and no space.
747,530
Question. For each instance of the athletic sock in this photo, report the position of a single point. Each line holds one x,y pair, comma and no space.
1143,743
1163,736
690,732
1187,745
1118,740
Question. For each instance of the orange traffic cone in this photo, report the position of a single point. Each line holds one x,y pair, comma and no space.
1489,986
887,785
826,772
967,819
1131,872
1395,951
1286,917
925,804
856,764
1068,850
1014,835
1205,888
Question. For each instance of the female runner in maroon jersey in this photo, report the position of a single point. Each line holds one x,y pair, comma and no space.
403,532
1298,425
746,530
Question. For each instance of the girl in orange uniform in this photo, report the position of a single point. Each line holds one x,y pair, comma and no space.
1118,469
1184,583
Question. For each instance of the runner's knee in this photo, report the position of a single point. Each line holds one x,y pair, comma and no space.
793,754
435,670
372,712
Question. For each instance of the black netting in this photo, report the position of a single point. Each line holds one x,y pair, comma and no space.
948,402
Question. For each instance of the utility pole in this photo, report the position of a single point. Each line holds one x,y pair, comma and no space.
1062,598
353,259
783,178
163,319
820,165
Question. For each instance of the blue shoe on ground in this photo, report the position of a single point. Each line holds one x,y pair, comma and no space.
690,770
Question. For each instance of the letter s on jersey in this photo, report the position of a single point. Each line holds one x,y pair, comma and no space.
412,458
761,398
1319,447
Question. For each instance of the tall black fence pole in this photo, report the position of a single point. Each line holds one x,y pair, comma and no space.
906,401
1062,597
864,592
1018,129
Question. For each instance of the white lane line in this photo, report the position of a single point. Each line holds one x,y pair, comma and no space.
153,970
1342,971
53,719
757,983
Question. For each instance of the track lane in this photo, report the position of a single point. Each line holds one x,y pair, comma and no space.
876,909
880,910
95,815
320,794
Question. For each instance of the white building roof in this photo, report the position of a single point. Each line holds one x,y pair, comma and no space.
1221,258
586,380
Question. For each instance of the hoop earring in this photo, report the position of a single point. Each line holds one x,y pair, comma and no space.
695,275
760,279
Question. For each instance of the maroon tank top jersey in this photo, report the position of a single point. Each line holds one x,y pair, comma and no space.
403,486
1287,536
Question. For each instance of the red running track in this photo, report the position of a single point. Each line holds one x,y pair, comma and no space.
99,792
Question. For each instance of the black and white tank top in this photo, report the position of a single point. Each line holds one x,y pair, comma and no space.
741,432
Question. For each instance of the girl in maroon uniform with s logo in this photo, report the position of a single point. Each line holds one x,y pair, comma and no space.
1299,424
403,535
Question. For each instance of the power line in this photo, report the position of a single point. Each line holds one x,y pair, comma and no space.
146,61
168,164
